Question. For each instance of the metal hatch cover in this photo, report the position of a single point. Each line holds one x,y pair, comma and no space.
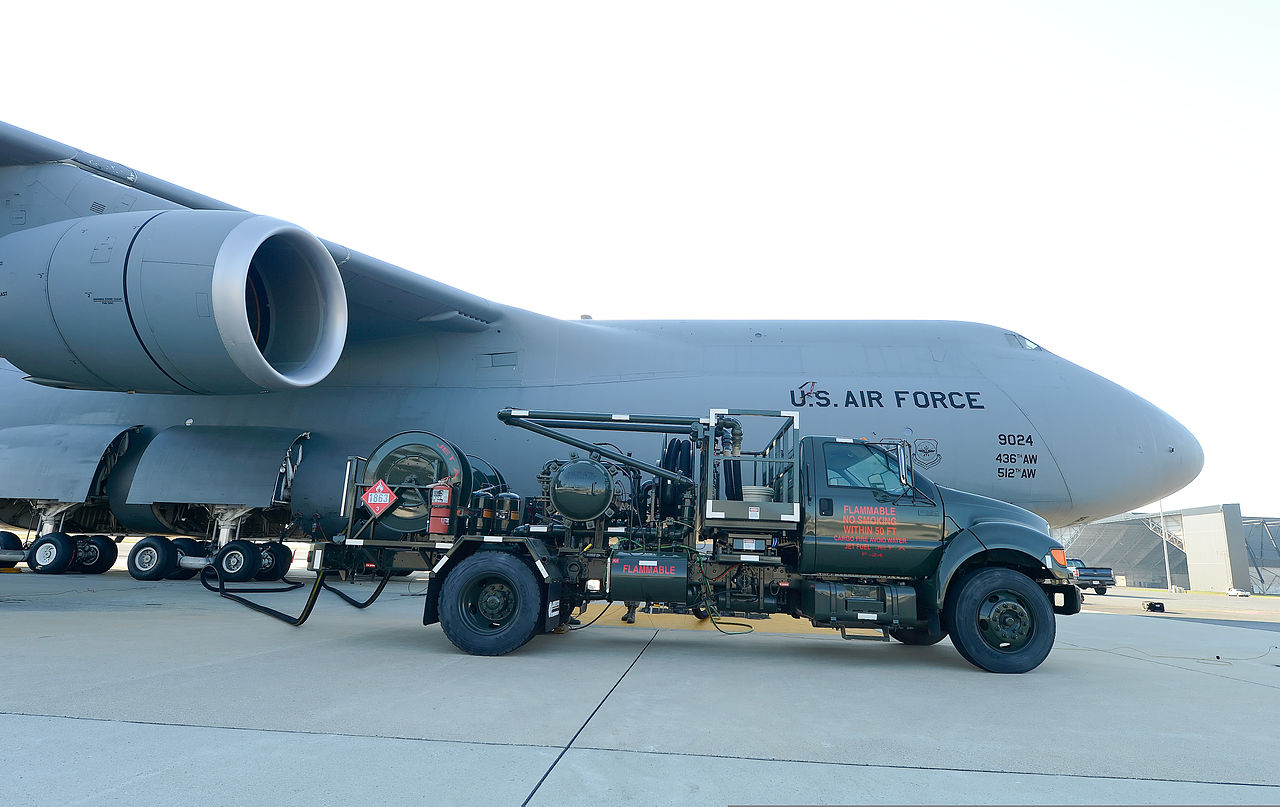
55,462
213,465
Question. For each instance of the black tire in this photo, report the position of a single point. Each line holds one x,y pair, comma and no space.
52,554
1100,590
189,548
95,554
917,637
12,543
1000,620
152,558
238,561
701,612
276,560
490,604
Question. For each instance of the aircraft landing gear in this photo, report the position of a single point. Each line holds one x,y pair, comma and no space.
11,549
186,548
52,553
94,554
276,560
153,558
238,561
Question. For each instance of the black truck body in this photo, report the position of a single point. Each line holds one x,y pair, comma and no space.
840,532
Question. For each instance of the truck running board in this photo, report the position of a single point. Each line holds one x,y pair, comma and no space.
883,637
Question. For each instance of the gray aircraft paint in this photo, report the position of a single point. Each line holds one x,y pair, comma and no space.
986,411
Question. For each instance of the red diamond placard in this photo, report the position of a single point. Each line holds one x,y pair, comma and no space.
378,498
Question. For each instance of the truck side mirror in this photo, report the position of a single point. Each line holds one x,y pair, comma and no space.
904,466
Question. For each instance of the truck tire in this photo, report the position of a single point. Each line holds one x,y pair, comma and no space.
490,604
917,637
185,548
1000,620
12,543
238,561
52,554
1100,590
152,558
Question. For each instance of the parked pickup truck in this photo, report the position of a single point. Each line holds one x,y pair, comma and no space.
1098,578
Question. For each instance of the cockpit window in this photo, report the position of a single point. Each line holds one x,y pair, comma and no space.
1022,342
855,465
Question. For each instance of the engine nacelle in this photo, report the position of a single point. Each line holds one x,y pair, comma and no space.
206,301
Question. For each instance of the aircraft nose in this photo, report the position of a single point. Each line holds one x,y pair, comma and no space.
1116,451
1180,457
1144,454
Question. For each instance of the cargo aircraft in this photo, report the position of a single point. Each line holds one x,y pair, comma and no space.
176,365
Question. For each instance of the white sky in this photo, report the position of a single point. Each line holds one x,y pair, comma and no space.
1100,176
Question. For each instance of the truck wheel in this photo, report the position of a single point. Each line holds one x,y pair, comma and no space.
276,560
52,553
1000,620
490,604
917,637
185,548
152,558
12,543
1100,590
95,554
238,561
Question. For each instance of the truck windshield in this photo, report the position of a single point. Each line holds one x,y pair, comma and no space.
856,465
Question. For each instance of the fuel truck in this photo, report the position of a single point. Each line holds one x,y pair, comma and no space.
841,532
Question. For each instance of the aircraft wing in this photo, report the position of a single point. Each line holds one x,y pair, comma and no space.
383,299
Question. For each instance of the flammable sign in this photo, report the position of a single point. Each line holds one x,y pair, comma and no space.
378,498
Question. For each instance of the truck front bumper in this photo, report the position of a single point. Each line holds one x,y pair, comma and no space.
1070,598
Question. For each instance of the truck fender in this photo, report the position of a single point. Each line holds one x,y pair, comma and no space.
995,543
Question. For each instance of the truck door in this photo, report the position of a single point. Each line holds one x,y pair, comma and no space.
866,522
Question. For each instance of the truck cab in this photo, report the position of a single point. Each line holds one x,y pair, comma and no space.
863,514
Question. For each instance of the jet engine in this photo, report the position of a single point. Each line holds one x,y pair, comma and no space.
182,301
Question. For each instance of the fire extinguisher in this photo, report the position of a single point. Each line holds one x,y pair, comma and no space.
441,509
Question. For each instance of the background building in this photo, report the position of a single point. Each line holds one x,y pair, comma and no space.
1209,549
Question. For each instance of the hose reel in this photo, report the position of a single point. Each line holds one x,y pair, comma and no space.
410,462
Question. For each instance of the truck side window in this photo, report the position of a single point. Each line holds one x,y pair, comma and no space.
854,465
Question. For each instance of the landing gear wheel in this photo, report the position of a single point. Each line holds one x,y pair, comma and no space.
701,612
188,548
276,560
917,637
94,554
1100,590
10,542
490,604
52,553
238,561
1000,620
152,558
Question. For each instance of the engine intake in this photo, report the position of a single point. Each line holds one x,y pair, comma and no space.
205,301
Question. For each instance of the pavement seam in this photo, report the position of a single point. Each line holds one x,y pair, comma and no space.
573,739
264,730
890,766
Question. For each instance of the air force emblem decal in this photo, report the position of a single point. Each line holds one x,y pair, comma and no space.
927,454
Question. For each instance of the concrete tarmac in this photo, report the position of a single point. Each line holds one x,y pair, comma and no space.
122,692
